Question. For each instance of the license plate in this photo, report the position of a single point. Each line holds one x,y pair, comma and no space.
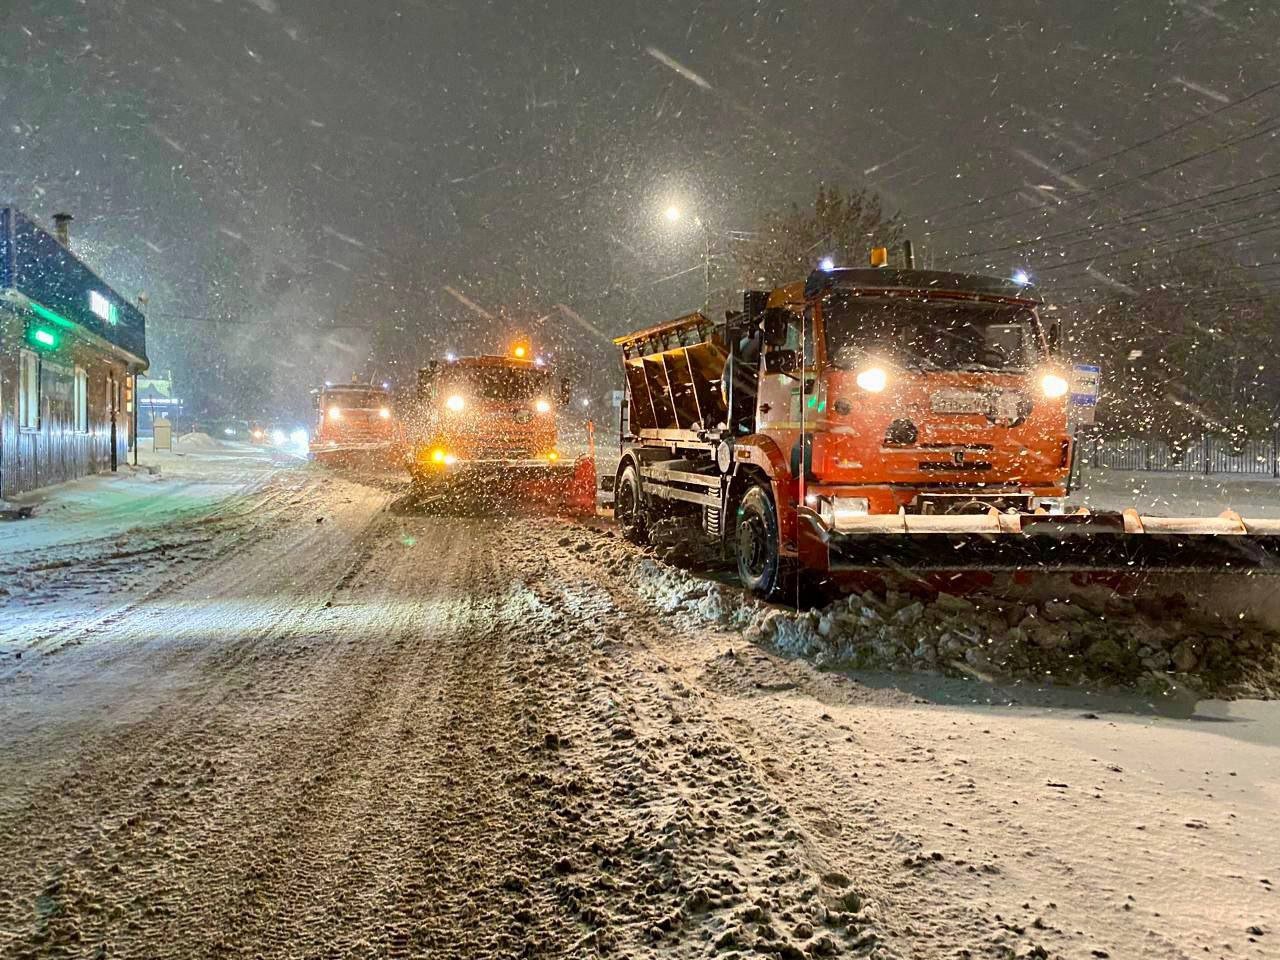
960,401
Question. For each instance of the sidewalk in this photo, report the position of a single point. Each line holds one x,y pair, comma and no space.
189,482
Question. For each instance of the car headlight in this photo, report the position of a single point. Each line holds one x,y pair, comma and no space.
1053,385
456,403
872,380
542,406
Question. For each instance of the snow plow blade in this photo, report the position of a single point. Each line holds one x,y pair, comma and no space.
531,485
1082,542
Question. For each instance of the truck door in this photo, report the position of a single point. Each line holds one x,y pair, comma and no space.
781,374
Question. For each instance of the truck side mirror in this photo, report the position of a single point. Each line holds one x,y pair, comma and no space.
566,391
426,377
775,326
1055,337
780,361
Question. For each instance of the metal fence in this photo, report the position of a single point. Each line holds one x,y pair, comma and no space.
1207,454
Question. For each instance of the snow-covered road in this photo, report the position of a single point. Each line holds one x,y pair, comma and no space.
316,724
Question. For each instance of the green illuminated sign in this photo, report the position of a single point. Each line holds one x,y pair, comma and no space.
44,313
43,337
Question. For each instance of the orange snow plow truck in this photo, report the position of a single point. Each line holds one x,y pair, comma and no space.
485,431
882,420
356,425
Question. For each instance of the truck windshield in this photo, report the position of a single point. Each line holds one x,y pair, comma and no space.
929,334
349,399
504,384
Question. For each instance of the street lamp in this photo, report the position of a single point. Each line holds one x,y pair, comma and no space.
674,214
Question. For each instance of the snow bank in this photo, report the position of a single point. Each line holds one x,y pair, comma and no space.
1155,643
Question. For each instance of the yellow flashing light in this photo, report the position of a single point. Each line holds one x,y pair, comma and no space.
438,455
519,351
879,256
553,456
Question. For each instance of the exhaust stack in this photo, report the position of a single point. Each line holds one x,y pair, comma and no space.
908,255
62,228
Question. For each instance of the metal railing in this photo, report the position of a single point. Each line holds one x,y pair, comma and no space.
1205,455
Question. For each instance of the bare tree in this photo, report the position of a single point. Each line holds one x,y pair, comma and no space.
788,243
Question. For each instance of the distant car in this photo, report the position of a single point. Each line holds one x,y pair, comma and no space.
239,431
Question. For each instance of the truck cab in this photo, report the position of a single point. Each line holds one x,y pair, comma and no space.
916,391
351,416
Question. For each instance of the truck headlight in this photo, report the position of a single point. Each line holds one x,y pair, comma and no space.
456,403
542,406
872,380
384,413
1053,385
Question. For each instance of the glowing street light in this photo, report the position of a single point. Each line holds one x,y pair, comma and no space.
672,214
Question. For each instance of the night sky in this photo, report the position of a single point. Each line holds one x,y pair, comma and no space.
331,184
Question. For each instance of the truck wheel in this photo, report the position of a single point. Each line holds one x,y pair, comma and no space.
628,507
760,567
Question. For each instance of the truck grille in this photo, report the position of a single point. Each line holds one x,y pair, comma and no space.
504,453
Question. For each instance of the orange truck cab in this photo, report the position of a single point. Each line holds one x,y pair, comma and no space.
489,423
831,416
351,416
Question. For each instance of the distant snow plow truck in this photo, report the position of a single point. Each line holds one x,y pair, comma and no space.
355,425
484,432
882,420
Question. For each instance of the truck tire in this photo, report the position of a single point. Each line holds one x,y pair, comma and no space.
761,568
628,506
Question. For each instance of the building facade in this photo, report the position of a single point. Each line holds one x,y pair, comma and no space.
70,347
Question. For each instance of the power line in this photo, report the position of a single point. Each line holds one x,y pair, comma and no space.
1144,216
1115,184
1160,243
1123,150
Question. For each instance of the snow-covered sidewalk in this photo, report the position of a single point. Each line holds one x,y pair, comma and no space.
189,482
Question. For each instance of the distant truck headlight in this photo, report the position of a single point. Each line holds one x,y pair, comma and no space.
1053,385
456,403
872,380
230,432
542,406
278,438
384,413
335,413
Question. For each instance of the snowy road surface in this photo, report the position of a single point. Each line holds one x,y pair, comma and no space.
314,725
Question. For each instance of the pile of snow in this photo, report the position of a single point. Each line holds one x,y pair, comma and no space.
196,441
1099,637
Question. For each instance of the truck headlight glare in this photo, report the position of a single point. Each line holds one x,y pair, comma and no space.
456,403
1053,385
542,406
873,379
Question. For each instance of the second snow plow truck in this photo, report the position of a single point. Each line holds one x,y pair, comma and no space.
485,431
882,420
